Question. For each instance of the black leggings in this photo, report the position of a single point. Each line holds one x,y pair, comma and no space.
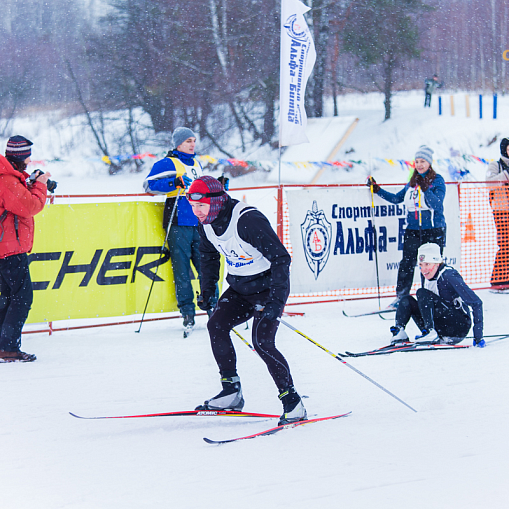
233,309
430,311
414,239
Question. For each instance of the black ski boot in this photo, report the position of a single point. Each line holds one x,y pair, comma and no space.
230,398
293,409
188,325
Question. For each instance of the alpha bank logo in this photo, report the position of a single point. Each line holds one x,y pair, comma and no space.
316,239
295,31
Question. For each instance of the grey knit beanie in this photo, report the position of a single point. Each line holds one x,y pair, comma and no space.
425,153
181,134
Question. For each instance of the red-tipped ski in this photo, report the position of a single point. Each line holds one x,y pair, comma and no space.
198,413
271,431
419,347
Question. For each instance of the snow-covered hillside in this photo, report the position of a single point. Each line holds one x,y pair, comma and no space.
373,142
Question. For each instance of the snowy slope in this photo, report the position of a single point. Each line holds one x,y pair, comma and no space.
451,454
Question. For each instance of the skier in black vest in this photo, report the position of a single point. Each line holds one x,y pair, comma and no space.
258,268
441,307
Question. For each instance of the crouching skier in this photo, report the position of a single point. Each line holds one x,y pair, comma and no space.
441,310
258,268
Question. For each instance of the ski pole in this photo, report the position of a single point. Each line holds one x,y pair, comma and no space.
160,256
245,341
345,363
375,244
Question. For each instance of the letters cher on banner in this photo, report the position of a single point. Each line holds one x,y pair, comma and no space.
98,260
332,237
298,56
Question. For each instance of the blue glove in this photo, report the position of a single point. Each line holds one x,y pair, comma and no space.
271,311
183,181
480,343
225,182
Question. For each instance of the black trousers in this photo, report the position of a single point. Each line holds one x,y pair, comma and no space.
16,297
430,311
231,310
427,100
413,240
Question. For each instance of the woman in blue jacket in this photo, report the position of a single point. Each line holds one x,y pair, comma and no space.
423,198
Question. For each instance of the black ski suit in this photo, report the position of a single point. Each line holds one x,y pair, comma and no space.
237,304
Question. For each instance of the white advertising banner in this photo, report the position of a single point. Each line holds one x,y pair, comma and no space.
332,236
298,57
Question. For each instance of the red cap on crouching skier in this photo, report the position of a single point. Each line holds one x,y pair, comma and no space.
208,190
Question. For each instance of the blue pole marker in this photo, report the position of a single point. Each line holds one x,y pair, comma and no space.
480,105
494,105
439,105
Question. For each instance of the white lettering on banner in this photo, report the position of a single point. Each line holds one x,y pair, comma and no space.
334,234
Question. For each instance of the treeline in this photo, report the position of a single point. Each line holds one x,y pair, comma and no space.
214,64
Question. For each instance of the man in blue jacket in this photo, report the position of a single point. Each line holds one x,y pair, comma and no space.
171,176
442,307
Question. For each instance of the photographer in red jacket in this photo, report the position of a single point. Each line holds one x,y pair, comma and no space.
20,201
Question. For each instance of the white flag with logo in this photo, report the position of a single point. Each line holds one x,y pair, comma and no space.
298,57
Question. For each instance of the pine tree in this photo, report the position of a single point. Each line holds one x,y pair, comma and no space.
383,34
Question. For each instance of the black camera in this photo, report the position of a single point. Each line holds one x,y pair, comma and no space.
51,184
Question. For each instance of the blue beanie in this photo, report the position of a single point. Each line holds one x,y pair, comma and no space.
425,153
181,134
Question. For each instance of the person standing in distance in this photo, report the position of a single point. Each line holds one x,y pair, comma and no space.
423,197
429,87
498,173
441,308
171,176
258,268
19,203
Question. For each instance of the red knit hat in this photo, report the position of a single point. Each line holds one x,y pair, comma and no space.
199,186
18,148
208,185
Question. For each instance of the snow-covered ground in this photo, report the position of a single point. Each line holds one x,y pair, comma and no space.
452,453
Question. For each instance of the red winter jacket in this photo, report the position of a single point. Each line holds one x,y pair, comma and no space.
20,201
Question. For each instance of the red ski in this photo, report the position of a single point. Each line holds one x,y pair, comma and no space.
271,431
199,413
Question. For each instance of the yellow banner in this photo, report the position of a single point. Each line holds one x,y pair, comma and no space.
98,260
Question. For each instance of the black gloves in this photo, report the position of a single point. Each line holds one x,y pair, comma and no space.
271,311
422,183
372,182
205,301
184,181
